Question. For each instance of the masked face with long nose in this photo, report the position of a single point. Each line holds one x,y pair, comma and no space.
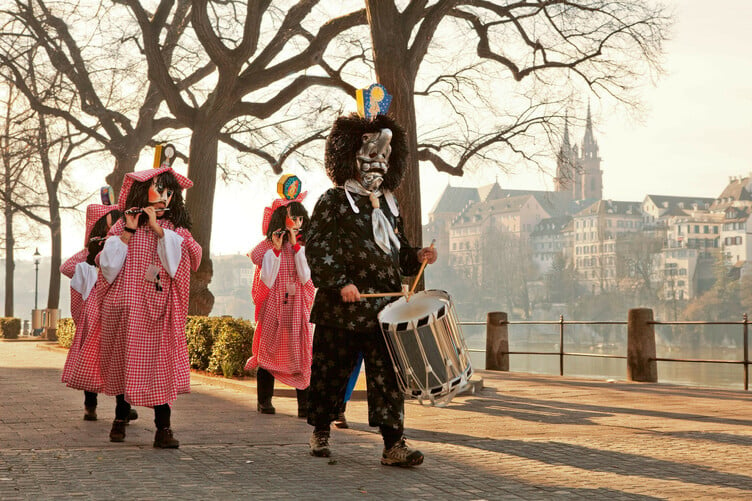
373,158
159,196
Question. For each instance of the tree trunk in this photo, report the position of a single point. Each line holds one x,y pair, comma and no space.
202,170
10,264
53,294
390,46
123,165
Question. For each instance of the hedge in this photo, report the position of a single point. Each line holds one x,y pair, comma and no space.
220,345
10,328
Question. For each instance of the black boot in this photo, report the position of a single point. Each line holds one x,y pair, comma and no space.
117,433
163,439
132,415
90,413
264,391
341,421
302,403
90,405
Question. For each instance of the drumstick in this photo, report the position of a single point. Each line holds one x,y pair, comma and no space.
420,272
383,294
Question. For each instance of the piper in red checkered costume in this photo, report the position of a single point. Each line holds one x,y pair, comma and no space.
283,294
147,260
85,303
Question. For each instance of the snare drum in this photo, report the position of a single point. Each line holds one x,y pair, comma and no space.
426,346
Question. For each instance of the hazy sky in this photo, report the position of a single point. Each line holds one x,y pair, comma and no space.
697,131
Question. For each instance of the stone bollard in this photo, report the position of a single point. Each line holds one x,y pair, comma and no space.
641,363
497,341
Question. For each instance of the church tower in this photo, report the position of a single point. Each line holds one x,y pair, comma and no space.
590,164
578,170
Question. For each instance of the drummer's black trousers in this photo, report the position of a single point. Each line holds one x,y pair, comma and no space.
335,352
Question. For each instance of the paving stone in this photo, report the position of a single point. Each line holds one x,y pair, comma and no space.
521,437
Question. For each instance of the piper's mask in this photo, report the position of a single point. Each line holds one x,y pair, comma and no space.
159,195
373,158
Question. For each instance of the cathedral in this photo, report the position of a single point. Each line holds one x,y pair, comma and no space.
578,170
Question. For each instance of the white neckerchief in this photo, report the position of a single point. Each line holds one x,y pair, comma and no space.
383,233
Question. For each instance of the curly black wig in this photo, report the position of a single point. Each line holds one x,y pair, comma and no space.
138,196
279,217
97,235
346,138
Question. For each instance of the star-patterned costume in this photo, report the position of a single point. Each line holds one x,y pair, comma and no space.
341,250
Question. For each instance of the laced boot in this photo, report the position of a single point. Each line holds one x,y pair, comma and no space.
163,439
320,444
117,433
401,455
90,413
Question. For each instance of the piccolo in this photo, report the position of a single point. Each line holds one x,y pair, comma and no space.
138,210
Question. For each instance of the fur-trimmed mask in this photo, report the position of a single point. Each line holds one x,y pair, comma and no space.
371,152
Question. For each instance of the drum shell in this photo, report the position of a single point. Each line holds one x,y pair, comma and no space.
429,353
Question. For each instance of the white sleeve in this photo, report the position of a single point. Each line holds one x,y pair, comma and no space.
270,267
84,279
169,250
112,257
301,266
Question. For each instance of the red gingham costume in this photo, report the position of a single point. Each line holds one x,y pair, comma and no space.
142,352
84,313
283,340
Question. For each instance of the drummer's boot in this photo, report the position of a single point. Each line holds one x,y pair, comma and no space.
319,443
264,391
396,452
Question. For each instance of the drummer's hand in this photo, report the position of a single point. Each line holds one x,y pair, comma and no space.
428,254
350,293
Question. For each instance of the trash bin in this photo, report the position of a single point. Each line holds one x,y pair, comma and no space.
37,322
50,323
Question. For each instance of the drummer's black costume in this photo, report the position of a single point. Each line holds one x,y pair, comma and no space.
343,247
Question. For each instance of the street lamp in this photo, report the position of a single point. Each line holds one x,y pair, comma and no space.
37,259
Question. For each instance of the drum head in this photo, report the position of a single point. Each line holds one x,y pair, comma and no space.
421,304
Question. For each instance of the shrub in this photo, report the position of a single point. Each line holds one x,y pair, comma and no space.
10,328
199,333
219,345
232,346
66,329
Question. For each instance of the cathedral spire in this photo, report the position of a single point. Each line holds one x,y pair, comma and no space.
589,146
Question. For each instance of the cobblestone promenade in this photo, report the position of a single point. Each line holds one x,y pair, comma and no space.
520,437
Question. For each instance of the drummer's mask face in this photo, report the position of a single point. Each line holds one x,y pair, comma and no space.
373,158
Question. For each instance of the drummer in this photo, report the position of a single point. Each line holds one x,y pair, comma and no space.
356,244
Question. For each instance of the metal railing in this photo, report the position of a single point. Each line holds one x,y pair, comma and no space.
745,346
561,352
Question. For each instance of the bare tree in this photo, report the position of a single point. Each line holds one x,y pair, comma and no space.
53,147
15,156
248,60
558,46
101,70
